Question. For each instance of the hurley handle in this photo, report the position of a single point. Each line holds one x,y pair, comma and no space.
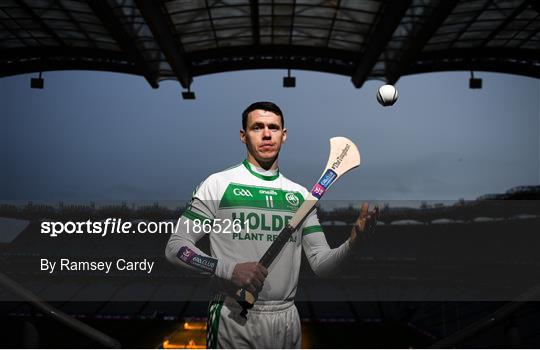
246,298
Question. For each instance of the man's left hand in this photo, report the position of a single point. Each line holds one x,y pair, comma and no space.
364,226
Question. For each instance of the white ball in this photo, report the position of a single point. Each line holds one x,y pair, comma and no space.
387,95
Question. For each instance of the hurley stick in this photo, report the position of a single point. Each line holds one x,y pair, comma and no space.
344,156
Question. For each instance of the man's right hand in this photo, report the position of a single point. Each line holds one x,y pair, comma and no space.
250,276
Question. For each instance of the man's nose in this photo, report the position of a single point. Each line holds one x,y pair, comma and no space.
267,133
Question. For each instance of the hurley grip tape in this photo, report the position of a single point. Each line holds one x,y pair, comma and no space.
276,246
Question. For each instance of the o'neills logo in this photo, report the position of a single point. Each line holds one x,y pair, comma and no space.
339,159
268,192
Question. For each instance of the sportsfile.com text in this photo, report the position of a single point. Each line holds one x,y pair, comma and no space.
119,226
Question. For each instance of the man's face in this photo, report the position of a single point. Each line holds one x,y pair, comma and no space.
263,136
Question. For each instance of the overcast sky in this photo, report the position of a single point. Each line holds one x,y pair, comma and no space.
105,136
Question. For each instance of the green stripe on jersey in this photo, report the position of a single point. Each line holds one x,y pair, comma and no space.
311,229
262,177
194,216
244,196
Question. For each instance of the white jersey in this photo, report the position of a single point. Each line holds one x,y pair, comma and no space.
243,209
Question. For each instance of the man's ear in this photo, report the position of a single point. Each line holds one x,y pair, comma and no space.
284,136
243,136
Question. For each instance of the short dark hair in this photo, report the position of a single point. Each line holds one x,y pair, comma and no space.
265,106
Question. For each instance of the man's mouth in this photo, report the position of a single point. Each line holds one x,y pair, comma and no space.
266,146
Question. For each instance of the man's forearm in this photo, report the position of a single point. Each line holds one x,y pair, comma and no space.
181,251
322,258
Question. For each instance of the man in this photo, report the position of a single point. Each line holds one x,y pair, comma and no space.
243,209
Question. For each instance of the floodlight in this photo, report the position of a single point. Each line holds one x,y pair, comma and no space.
288,81
188,95
37,83
475,83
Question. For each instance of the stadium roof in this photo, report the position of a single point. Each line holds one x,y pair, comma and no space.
182,39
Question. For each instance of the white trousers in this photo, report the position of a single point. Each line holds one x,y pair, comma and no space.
268,325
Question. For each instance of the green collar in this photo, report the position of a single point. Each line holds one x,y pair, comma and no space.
262,177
